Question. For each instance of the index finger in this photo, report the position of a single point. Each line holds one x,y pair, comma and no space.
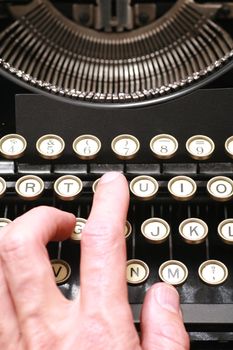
103,251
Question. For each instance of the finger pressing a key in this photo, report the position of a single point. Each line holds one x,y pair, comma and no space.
103,252
161,320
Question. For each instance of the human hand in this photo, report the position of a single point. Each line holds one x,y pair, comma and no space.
35,316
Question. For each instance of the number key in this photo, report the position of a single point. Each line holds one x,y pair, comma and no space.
164,146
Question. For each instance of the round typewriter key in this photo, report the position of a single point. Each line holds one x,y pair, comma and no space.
137,271
29,187
4,222
182,188
125,146
68,187
155,230
213,272
12,146
193,230
164,146
50,146
61,270
144,187
95,184
2,186
128,229
220,188
173,272
200,147
225,230
86,146
77,233
229,146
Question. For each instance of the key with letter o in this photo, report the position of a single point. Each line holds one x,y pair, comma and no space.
220,188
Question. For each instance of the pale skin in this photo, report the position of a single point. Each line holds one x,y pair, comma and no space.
34,315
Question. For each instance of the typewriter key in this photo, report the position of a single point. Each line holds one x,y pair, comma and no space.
2,186
29,187
164,146
61,270
77,233
68,187
137,271
225,230
182,188
155,230
144,187
193,230
12,146
229,146
50,146
220,188
4,222
173,272
86,146
200,147
213,272
128,229
125,146
95,184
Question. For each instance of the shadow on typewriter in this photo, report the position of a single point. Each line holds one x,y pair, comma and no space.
82,86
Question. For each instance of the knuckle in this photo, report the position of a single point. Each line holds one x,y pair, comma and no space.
44,210
14,245
8,340
96,333
43,340
102,233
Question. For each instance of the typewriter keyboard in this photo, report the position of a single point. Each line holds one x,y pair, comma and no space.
179,227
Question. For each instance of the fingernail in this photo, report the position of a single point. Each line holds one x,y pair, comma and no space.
168,298
108,177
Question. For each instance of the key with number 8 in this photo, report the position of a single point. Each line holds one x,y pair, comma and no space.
164,146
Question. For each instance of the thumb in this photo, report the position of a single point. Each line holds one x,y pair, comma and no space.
161,320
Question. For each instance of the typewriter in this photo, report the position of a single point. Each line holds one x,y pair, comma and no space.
140,87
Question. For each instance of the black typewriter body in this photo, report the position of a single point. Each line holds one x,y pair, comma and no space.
208,309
